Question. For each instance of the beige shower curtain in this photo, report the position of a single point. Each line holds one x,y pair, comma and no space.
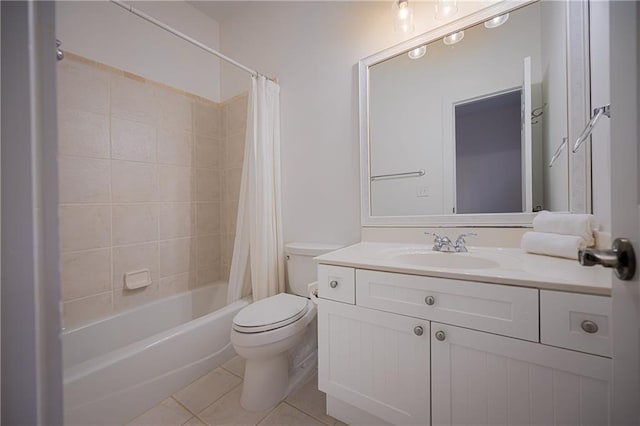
258,252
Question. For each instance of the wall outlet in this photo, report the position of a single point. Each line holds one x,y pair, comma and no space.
422,191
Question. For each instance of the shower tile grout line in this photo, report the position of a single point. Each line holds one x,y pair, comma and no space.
142,243
111,253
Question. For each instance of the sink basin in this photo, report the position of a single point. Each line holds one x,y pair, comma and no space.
445,260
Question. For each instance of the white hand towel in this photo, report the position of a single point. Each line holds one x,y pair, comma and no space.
580,225
553,244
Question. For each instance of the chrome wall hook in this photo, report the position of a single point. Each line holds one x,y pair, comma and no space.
597,114
59,51
558,151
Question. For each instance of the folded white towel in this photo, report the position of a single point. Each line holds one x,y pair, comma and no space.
580,225
553,244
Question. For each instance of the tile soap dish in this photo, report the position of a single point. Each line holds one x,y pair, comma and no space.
137,279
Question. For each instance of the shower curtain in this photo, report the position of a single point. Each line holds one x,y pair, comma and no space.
257,264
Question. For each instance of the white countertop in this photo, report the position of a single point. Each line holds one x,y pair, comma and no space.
513,266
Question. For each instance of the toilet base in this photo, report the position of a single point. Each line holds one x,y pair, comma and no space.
265,382
260,392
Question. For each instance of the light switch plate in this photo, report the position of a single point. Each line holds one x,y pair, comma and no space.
422,191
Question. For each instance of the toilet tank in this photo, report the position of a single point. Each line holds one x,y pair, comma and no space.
301,268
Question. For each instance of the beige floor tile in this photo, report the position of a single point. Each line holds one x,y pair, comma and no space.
207,389
286,415
228,411
168,412
312,401
235,365
194,421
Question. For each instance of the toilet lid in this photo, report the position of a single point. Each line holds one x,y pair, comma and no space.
270,313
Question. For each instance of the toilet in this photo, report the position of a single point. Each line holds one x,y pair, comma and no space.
277,336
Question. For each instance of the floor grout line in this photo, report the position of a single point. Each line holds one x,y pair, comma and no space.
304,412
267,414
213,402
231,372
182,405
286,401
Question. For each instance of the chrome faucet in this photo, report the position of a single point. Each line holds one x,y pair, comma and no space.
444,244
461,243
441,243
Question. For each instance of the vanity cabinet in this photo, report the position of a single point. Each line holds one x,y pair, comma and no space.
426,350
484,379
376,361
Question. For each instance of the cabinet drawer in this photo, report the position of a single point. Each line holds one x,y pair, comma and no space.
576,321
507,310
337,283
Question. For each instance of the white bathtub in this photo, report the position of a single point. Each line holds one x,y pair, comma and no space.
120,366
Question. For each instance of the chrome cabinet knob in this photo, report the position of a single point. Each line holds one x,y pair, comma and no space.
430,300
333,284
418,330
440,335
589,326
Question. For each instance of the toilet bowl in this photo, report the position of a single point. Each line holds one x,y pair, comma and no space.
277,335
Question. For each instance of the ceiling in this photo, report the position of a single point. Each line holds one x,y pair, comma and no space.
219,10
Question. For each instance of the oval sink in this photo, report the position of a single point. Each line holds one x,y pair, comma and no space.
446,260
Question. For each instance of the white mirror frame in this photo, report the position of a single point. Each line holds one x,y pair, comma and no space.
578,104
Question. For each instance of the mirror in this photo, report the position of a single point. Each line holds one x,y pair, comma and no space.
466,124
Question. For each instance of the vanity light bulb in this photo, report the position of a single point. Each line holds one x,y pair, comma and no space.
446,9
497,21
418,52
403,13
403,16
453,38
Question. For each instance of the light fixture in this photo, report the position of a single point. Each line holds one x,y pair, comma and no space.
446,9
403,16
497,21
453,38
418,52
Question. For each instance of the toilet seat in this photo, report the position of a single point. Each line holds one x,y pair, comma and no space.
271,313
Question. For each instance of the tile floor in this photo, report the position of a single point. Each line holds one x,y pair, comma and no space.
214,399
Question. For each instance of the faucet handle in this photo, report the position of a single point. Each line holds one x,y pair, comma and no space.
460,241
438,240
436,237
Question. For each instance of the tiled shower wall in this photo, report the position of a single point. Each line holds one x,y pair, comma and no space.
149,179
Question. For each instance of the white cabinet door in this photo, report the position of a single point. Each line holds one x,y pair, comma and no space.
375,361
484,379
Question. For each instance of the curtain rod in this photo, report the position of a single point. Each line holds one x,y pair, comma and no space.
186,38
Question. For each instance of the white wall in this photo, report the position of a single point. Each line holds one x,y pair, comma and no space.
106,33
313,48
